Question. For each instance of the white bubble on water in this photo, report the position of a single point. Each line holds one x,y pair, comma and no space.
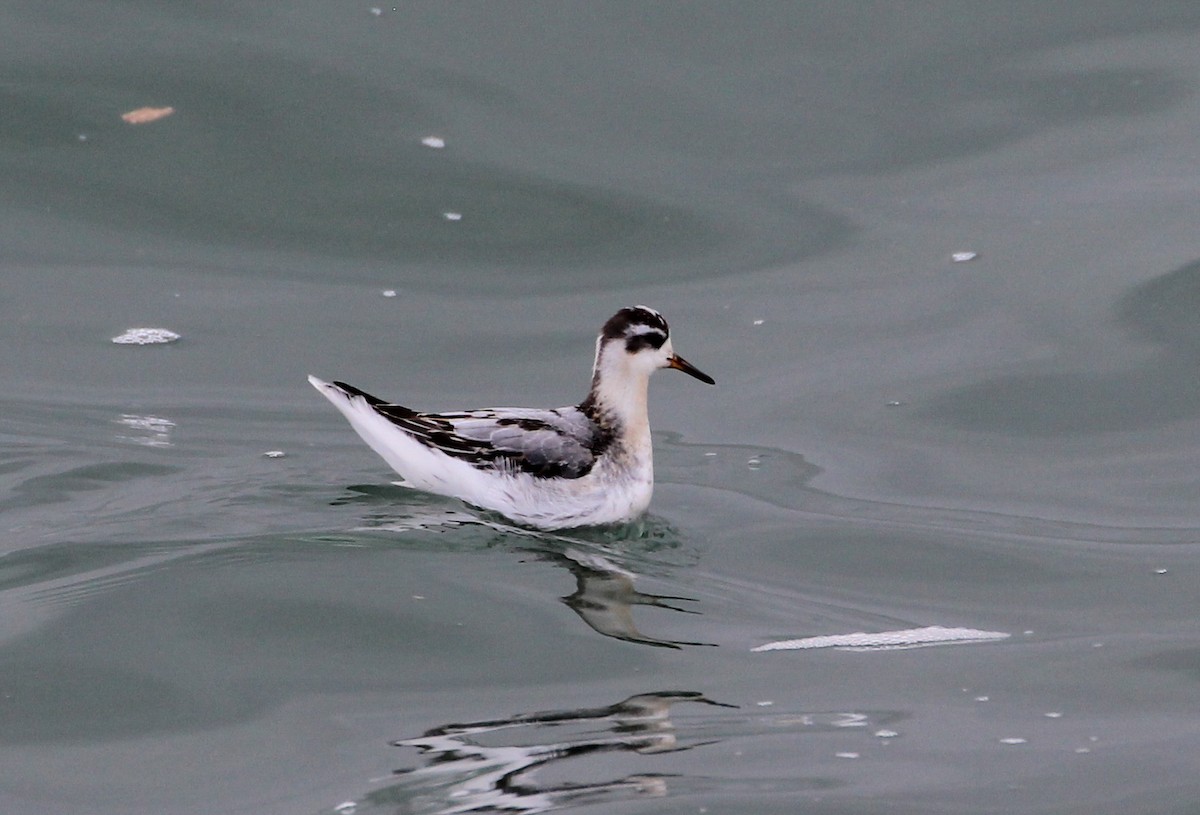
145,336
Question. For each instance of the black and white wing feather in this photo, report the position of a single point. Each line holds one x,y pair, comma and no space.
560,443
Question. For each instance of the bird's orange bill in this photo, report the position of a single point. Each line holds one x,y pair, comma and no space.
680,364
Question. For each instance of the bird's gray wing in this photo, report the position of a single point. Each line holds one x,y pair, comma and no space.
562,443
559,443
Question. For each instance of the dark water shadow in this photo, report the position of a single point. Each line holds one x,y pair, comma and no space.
1182,661
782,478
61,487
1164,389
1008,105
333,167
312,153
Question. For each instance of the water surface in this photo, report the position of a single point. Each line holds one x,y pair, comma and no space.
212,599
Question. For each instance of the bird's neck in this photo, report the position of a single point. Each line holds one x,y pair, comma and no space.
618,394
620,400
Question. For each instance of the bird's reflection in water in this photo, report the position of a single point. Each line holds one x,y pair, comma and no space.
601,561
605,595
461,774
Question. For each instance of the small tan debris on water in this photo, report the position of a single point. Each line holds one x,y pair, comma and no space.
143,116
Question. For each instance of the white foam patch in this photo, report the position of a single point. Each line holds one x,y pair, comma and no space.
152,431
145,336
887,640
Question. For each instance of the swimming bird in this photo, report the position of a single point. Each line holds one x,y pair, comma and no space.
583,465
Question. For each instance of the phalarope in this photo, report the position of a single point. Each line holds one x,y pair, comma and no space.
586,464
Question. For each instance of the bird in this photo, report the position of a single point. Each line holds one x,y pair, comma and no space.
589,464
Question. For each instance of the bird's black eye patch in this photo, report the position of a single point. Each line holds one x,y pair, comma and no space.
646,339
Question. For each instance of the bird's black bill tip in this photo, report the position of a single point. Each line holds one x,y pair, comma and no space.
680,364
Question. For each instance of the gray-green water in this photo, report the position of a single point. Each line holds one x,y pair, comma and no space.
897,440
